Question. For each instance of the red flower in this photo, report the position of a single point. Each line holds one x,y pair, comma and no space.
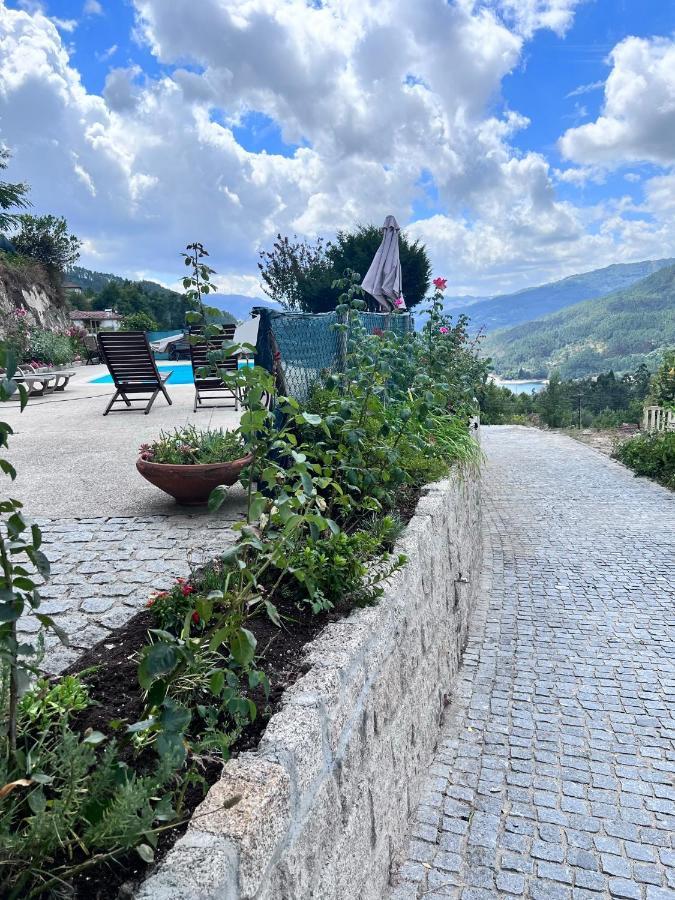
195,617
187,589
440,283
151,601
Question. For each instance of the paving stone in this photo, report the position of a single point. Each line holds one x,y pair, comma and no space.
556,752
510,883
621,887
99,582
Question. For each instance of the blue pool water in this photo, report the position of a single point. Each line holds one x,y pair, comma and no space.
181,375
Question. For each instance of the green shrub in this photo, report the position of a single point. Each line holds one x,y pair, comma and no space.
50,348
65,792
651,455
139,321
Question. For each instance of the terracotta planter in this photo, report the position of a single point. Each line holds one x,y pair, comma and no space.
191,485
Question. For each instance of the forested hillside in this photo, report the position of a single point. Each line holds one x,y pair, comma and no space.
617,332
105,291
511,309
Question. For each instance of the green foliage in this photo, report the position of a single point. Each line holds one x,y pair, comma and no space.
188,446
22,565
302,275
50,347
46,704
170,608
663,383
620,331
13,196
651,455
139,321
46,239
63,796
554,405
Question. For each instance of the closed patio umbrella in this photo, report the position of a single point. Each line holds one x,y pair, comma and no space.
383,278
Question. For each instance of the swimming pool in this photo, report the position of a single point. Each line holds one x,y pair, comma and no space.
181,375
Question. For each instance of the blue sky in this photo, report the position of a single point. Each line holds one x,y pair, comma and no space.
506,134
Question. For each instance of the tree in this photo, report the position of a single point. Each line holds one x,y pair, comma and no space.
290,266
11,196
300,274
355,250
139,321
553,402
663,383
46,239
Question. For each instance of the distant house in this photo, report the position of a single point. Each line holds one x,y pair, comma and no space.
94,320
72,290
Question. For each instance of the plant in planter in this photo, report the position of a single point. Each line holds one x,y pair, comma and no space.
189,463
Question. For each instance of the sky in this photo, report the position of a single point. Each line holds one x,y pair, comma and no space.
520,140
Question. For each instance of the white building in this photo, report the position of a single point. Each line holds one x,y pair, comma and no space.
93,320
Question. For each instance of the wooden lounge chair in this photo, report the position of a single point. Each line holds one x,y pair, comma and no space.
212,387
91,348
134,371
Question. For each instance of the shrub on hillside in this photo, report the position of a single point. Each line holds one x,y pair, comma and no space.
651,455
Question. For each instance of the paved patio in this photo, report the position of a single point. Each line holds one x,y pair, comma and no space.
110,535
554,777
73,461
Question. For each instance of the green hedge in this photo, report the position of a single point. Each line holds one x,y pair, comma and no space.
651,455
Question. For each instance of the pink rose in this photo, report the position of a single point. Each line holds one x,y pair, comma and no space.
444,330
398,302
440,283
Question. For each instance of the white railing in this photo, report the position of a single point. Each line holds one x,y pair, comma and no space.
656,418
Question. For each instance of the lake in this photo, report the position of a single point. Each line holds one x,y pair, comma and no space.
522,387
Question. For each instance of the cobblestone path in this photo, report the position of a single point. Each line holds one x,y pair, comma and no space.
104,569
555,770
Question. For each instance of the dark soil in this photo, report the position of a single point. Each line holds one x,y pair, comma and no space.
113,686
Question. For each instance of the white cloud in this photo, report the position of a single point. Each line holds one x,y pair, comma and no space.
529,16
153,163
92,8
637,122
105,55
68,25
585,89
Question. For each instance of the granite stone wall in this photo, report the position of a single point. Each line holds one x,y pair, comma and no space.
321,807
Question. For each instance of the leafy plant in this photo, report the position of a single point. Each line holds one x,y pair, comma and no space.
20,558
651,455
170,608
139,321
192,446
50,347
663,383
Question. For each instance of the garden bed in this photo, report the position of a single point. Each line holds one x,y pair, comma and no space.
110,669
319,809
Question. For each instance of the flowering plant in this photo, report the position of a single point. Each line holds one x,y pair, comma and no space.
190,446
440,283
171,607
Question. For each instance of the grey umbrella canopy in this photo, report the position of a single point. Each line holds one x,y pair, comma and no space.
383,278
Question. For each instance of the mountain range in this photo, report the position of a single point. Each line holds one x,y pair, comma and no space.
511,309
618,331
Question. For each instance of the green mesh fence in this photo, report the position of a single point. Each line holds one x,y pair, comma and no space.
306,344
